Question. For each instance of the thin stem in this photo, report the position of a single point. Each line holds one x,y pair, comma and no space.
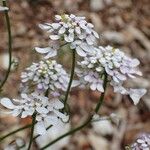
71,77
86,122
32,130
102,95
10,45
15,131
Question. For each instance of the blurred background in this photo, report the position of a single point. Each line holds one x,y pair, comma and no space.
121,23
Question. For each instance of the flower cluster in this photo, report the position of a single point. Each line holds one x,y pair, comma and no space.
46,75
142,143
114,63
46,110
72,30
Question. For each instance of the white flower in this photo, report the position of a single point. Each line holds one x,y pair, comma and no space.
118,67
3,8
46,110
46,75
73,30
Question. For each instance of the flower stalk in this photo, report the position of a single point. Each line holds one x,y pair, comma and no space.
71,78
32,130
9,45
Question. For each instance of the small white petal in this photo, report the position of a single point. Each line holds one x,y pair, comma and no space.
50,54
55,25
80,52
16,112
58,17
54,37
136,94
100,88
135,62
96,34
93,86
121,77
62,30
44,26
43,50
58,104
90,39
24,114
6,102
115,79
40,128
42,110
78,30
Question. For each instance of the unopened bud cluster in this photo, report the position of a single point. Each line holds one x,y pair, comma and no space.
45,75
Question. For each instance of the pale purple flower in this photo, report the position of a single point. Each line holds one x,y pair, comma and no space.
46,75
142,142
73,30
118,67
47,110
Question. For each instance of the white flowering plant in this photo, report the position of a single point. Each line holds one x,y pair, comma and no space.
45,85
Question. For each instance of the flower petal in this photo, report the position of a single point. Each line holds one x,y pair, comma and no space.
43,50
40,128
51,53
44,26
6,102
136,94
93,86
54,37
80,52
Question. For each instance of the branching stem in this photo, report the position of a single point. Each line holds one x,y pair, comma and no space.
32,130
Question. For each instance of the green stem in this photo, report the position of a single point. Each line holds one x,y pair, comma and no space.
15,131
86,122
10,45
32,130
102,95
71,78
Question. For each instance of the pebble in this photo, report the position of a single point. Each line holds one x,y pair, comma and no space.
97,5
114,37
